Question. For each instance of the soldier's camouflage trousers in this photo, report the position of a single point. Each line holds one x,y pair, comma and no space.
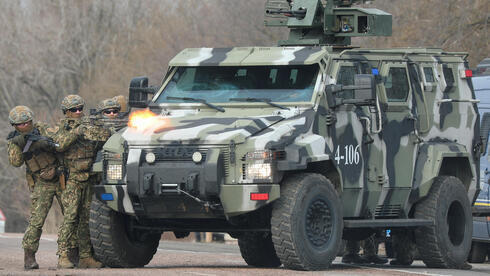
76,199
404,247
368,246
41,200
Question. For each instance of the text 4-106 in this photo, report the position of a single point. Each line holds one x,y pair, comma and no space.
349,155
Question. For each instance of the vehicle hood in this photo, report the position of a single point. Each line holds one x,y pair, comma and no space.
196,129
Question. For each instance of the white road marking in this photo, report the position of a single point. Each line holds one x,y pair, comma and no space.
196,252
20,236
197,273
397,270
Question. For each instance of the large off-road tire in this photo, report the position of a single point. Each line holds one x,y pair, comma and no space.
307,222
257,249
445,244
478,252
113,244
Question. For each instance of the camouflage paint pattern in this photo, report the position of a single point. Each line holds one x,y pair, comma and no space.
382,159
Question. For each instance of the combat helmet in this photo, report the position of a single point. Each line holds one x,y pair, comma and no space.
123,102
20,114
110,103
71,101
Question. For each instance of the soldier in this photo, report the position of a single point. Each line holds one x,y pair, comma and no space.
109,108
403,247
113,119
79,142
370,255
123,103
28,144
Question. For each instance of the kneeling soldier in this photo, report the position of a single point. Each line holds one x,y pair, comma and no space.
28,144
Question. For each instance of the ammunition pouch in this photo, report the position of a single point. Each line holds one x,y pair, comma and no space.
80,151
48,173
41,162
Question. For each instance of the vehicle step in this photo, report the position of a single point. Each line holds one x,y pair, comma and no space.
388,223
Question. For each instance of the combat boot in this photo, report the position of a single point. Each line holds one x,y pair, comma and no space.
376,259
73,255
89,262
64,261
30,260
353,258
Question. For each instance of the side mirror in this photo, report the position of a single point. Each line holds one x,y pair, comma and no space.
138,92
484,131
364,89
364,92
330,92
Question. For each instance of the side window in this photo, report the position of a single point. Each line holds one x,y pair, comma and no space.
396,85
448,75
429,74
346,77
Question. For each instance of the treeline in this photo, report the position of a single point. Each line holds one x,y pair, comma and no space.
51,48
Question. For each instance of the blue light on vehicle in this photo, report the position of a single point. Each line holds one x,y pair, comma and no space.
388,233
375,71
107,197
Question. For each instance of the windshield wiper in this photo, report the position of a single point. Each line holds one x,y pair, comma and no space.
264,100
219,108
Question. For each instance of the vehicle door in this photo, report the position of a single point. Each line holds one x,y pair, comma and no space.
399,133
355,149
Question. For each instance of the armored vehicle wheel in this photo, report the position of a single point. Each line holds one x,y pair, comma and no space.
257,249
116,246
478,253
446,243
307,223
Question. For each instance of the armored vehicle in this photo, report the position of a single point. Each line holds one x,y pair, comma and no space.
291,149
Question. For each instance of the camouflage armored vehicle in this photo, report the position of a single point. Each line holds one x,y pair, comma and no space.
289,149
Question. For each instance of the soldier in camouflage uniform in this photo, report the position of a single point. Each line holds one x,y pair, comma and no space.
28,144
370,255
109,108
79,142
403,247
110,112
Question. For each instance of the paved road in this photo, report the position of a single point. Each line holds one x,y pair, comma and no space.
187,258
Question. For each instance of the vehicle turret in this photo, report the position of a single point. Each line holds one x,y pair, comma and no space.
317,22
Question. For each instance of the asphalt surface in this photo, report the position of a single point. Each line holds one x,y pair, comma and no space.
189,258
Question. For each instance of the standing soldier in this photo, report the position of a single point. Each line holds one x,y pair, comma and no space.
79,142
109,110
28,144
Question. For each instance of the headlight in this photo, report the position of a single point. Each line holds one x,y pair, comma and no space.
258,171
114,172
258,165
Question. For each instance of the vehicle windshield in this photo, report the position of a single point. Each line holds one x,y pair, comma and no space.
221,84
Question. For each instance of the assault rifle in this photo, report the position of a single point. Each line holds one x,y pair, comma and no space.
35,136
31,137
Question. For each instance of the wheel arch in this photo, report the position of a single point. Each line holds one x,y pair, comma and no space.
435,160
329,170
